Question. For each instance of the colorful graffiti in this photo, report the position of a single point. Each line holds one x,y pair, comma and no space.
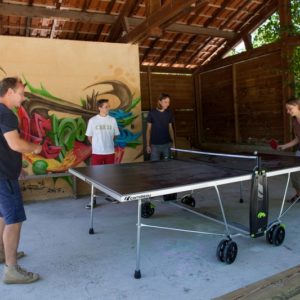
63,138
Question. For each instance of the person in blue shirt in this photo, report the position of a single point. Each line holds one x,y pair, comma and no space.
160,132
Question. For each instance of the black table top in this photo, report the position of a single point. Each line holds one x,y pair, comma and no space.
134,178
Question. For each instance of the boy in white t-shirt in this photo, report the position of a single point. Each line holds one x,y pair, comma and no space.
101,132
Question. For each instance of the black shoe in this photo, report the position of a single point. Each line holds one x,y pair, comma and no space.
88,206
294,199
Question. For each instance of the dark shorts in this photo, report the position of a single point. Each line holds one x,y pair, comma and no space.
11,202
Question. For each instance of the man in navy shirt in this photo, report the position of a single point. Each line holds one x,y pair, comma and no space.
160,133
12,212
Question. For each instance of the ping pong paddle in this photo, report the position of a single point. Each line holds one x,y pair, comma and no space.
273,144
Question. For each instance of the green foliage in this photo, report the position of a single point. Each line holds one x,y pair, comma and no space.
269,32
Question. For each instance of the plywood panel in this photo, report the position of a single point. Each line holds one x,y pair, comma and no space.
259,93
217,105
258,111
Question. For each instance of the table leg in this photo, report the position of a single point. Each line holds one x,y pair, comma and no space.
137,272
91,231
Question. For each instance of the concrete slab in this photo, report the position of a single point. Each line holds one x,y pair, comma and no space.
174,265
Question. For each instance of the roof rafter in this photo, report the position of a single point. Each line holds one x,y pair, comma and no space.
100,18
163,53
43,12
117,27
147,51
208,22
264,12
85,6
28,20
100,27
170,12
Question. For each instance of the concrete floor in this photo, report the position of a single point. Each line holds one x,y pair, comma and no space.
174,265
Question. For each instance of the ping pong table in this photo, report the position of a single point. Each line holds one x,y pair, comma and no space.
143,181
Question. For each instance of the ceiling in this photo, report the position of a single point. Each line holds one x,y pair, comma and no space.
170,33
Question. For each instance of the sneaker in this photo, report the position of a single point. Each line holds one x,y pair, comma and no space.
294,198
88,206
16,274
2,256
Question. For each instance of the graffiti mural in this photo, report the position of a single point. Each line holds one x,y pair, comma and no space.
64,79
63,139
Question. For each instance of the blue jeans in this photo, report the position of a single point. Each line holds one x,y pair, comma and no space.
11,202
158,151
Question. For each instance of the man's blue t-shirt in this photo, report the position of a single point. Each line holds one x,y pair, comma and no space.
10,160
160,121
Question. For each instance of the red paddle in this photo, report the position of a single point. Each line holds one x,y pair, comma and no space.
273,144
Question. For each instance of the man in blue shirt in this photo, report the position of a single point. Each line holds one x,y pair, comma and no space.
160,133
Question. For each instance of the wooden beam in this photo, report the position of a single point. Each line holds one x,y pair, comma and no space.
43,12
235,106
207,23
284,9
99,18
167,13
292,40
192,29
54,22
166,70
100,28
149,77
28,25
85,6
152,6
244,56
117,28
199,109
248,42
58,4
1,25
1,21
16,27
28,20
287,91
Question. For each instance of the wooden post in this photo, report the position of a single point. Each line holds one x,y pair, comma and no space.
149,87
235,106
199,110
284,7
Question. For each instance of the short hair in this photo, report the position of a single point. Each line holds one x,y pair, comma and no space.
101,102
293,101
163,96
9,83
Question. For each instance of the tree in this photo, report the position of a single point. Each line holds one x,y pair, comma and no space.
269,32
